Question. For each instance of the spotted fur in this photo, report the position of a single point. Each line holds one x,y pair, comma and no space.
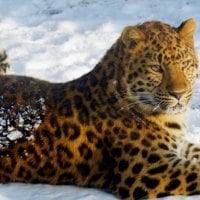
119,127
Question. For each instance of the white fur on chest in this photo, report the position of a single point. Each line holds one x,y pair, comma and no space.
163,119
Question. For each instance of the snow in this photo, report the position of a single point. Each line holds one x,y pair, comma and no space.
14,135
61,40
23,121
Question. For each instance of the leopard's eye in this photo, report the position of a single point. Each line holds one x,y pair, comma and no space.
156,68
185,64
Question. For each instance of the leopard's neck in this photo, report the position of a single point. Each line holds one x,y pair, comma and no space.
109,73
104,81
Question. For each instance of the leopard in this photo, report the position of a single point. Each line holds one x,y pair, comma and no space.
121,127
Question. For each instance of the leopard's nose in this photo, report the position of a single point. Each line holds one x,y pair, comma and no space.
177,95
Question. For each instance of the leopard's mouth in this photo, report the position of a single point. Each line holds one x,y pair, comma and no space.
157,105
167,107
178,108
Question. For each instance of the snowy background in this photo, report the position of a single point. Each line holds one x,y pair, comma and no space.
63,39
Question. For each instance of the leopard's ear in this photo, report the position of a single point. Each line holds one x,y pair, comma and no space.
132,35
186,31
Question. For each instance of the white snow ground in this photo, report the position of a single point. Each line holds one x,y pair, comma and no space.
61,40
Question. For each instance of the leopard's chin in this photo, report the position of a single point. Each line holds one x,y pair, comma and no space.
168,109
177,109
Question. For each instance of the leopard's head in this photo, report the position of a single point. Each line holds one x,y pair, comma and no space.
160,66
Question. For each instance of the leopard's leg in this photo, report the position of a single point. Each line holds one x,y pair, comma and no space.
150,166
161,176
4,62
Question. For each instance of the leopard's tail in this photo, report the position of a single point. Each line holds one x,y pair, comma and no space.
4,62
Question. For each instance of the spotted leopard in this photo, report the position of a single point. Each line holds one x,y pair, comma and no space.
119,127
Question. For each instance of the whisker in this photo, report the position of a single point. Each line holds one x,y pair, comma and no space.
128,106
158,106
